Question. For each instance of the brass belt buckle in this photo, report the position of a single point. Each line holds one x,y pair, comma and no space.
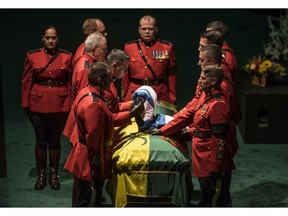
50,83
145,81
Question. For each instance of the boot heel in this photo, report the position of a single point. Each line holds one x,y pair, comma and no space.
41,181
53,180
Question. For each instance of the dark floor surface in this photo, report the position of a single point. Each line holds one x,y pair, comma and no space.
260,179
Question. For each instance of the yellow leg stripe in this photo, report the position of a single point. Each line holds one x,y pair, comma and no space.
93,194
217,192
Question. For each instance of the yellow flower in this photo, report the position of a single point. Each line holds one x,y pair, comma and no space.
252,66
267,64
262,69
247,67
279,67
259,65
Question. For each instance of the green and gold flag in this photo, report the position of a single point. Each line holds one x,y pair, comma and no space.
148,166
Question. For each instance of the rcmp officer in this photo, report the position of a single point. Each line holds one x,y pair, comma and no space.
227,51
211,55
122,112
96,51
212,160
90,159
118,61
90,25
46,98
152,62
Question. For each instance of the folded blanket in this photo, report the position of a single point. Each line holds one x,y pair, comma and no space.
150,120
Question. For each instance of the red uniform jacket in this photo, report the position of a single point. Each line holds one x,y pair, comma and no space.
211,154
93,151
214,153
160,55
121,111
121,114
228,90
80,73
38,91
231,60
78,54
230,94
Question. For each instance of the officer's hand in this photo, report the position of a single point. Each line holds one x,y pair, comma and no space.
137,109
185,134
133,104
26,110
155,131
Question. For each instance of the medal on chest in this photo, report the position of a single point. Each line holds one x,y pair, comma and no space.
160,54
204,109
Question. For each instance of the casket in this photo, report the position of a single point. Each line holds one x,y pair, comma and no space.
149,168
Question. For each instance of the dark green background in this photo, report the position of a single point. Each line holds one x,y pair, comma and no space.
22,28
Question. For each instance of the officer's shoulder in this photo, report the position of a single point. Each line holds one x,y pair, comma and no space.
64,51
132,42
34,51
165,42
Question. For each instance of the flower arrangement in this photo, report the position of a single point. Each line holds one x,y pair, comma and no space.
263,70
262,66
275,61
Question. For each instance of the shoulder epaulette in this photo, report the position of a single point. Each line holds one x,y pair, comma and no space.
64,51
34,50
93,94
95,97
164,41
86,64
218,96
133,41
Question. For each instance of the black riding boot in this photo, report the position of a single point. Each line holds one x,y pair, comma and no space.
54,157
41,161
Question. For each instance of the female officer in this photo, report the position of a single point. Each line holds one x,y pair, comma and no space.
46,91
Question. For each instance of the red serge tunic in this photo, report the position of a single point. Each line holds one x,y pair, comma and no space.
93,151
121,111
80,73
160,55
43,98
78,54
231,60
211,154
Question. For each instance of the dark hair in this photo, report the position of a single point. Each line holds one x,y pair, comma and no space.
213,37
212,51
98,70
218,26
214,71
49,27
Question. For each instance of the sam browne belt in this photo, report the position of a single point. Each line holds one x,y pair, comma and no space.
50,83
148,82
201,135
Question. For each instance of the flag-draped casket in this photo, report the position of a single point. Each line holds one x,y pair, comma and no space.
149,165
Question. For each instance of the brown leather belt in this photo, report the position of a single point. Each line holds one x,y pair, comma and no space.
148,82
201,135
50,83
